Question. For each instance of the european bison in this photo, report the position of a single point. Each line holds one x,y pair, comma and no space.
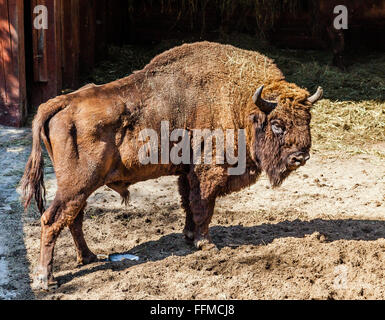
91,136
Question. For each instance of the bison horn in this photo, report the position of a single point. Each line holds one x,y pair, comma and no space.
264,105
317,96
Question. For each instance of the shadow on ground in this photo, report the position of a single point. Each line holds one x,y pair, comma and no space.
235,236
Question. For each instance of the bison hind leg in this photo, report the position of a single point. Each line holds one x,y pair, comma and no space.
84,254
121,188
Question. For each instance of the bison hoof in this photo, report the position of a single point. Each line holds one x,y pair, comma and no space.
204,244
42,283
87,259
188,235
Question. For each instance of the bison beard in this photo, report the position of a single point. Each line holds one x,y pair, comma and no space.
91,136
269,155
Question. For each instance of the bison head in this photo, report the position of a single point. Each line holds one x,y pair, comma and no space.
280,137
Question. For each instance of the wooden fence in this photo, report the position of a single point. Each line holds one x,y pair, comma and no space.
52,59
13,102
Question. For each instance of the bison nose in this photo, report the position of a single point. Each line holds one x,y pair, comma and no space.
298,159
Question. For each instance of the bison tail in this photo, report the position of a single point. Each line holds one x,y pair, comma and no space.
32,182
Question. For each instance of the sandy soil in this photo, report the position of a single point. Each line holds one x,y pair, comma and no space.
320,236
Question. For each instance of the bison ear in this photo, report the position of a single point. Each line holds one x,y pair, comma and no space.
258,119
263,105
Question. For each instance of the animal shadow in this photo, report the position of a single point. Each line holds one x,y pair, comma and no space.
235,236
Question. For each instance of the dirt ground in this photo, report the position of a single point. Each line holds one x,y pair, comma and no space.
320,236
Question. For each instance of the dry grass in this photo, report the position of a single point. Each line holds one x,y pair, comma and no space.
351,117
349,126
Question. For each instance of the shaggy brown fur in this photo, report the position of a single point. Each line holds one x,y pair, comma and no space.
92,136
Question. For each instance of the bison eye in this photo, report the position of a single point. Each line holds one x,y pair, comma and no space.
277,127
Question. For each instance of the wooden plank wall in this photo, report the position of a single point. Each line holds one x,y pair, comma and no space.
39,47
75,40
47,80
87,29
78,35
70,42
12,63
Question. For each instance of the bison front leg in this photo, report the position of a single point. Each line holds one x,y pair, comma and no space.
202,210
184,191
84,254
204,183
